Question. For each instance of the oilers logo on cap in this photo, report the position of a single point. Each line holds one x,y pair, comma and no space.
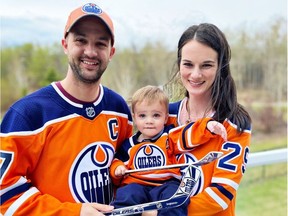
91,8
149,155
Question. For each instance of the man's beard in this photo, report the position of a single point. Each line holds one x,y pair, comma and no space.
80,75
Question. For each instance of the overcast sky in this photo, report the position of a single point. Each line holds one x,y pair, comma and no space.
136,21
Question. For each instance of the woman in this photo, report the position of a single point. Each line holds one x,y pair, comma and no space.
203,67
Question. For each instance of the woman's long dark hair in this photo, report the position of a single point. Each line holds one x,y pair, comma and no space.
224,94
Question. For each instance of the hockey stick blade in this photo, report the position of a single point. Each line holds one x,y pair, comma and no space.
211,156
183,193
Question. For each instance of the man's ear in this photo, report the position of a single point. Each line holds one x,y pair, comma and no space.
64,45
112,52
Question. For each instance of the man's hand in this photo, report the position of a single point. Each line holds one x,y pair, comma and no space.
94,209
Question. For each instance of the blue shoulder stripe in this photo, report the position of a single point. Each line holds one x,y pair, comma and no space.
174,107
223,191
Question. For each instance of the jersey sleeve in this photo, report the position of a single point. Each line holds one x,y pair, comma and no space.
18,156
186,138
116,180
220,186
121,156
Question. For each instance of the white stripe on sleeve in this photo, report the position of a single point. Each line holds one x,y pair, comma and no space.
225,181
214,196
13,208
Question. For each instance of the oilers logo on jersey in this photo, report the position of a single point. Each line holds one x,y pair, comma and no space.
149,155
89,174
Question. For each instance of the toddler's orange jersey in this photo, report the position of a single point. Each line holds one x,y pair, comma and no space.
146,154
215,192
56,152
158,152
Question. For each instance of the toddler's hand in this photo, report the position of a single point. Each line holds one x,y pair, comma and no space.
120,171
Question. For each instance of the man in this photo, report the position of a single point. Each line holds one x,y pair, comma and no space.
57,143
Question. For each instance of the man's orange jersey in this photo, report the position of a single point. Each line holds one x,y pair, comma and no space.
215,192
56,152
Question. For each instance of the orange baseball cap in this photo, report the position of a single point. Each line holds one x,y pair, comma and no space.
89,9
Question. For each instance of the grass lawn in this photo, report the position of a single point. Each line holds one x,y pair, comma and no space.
263,191
264,142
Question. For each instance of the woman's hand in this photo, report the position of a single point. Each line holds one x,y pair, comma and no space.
217,128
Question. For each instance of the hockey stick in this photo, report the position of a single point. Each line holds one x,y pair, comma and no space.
181,195
211,156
